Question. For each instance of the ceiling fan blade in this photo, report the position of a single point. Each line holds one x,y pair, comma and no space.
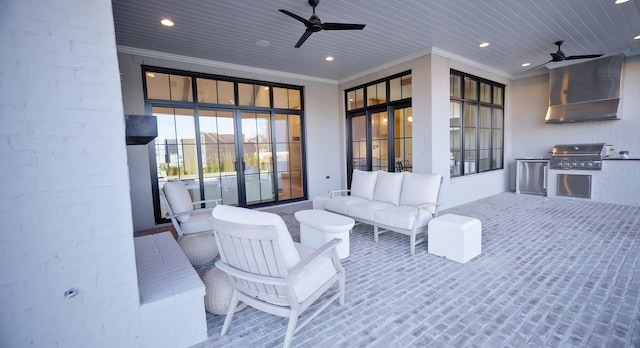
584,56
342,26
537,66
293,15
304,37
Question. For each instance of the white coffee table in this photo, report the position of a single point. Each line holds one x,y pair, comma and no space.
317,227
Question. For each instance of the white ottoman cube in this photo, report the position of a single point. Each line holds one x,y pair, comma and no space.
455,237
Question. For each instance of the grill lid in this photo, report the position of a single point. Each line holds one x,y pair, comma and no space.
593,150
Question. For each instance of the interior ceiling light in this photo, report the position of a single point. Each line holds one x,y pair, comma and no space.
167,22
621,1
329,59
484,44
150,74
526,64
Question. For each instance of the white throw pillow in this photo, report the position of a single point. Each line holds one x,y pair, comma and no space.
420,188
246,216
388,187
179,198
363,183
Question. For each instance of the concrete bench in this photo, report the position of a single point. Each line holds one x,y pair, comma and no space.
172,312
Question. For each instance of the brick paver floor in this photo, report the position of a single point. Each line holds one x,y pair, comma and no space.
553,272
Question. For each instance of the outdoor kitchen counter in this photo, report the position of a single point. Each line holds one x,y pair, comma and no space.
618,182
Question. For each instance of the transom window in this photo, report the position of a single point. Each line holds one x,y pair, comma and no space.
476,124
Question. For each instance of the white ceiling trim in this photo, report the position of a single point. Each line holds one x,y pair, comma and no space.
221,65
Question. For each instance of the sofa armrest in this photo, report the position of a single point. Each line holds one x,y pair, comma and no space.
426,206
334,192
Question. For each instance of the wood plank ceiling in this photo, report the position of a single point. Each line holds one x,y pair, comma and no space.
518,31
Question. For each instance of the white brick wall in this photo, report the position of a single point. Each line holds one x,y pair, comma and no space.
64,203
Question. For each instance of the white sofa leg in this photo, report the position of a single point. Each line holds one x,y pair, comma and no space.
375,233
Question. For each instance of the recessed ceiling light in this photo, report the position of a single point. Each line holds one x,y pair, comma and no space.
621,1
484,44
329,58
526,64
262,43
167,22
150,74
637,37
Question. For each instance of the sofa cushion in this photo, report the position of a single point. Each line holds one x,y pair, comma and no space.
260,218
402,216
388,187
366,210
363,183
340,204
419,189
179,198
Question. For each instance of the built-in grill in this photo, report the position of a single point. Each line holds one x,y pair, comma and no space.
577,156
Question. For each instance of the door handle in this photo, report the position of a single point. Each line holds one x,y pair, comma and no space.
544,177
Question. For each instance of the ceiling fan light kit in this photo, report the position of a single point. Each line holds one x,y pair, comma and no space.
314,24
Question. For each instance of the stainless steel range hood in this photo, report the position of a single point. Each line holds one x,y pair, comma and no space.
588,91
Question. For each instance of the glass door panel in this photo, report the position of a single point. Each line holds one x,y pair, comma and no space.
175,147
218,148
403,120
359,147
379,141
256,162
288,132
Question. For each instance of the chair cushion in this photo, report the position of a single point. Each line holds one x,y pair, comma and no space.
340,204
229,213
403,216
366,210
179,198
419,189
315,275
198,222
388,187
363,183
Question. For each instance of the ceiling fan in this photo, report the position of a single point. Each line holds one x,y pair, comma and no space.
559,56
314,24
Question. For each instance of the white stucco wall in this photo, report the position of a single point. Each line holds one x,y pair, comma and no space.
64,203
324,125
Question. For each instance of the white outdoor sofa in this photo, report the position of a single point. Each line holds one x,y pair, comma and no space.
399,202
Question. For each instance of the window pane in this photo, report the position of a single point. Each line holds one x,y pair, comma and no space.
175,144
372,95
351,100
359,98
157,86
470,88
207,91
485,92
485,159
470,115
403,122
280,98
470,139
484,138
455,86
225,93
485,117
497,159
469,162
181,88
406,86
253,95
295,99
455,116
395,89
498,118
497,95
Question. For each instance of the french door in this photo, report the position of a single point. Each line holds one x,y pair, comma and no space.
380,139
232,156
